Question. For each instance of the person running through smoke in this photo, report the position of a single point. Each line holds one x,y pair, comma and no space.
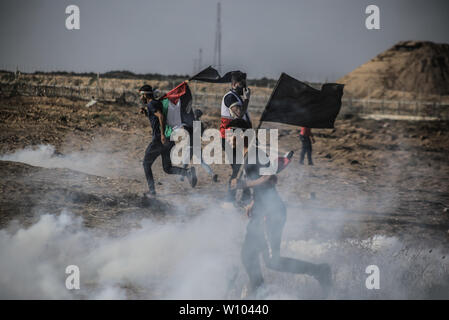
159,145
234,105
267,217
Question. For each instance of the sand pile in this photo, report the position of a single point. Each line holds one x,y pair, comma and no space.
408,70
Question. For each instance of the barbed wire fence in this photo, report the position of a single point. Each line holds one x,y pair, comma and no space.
426,110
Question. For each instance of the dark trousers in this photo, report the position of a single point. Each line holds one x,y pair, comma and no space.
235,167
306,149
204,165
155,149
263,236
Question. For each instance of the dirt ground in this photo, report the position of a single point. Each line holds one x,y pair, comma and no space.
371,177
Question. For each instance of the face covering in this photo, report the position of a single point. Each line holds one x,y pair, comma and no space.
239,90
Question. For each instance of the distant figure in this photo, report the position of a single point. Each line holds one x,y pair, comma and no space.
307,139
91,102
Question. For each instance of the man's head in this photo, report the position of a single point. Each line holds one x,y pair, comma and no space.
238,81
146,93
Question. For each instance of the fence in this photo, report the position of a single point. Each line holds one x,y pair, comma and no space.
361,107
73,92
401,108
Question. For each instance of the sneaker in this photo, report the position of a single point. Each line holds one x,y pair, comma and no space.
149,194
191,175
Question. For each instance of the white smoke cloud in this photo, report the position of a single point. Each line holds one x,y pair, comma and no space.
176,260
97,163
191,260
198,258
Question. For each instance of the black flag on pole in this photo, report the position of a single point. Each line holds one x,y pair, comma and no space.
211,75
296,103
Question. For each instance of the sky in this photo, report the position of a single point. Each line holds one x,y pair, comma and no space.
312,40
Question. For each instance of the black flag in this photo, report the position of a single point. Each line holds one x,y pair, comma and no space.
294,102
211,75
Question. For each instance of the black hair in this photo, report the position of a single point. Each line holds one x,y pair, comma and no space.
146,87
148,90
238,76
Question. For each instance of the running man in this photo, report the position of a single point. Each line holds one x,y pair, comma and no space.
159,145
267,214
234,106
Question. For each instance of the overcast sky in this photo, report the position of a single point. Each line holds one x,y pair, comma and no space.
311,40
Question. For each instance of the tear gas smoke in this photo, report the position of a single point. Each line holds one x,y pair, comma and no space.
198,258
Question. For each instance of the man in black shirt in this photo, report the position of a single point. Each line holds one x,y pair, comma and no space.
267,215
159,144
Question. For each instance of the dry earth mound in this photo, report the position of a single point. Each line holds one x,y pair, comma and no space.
408,70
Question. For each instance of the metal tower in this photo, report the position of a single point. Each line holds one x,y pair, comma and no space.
200,58
217,48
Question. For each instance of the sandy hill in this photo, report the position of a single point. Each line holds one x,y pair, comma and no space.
408,70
